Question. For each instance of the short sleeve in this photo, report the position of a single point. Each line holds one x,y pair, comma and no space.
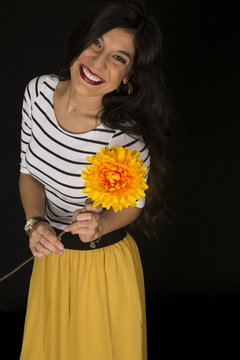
25,128
31,93
133,143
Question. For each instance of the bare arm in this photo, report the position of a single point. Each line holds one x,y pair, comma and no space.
33,200
111,221
42,240
32,196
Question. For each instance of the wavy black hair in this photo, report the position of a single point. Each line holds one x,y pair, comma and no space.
147,111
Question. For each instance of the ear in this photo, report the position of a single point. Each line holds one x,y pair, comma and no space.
127,76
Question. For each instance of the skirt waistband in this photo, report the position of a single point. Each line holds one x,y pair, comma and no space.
73,242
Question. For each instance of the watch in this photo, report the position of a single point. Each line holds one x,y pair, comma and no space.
31,222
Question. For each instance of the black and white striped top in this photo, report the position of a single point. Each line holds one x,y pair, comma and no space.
56,157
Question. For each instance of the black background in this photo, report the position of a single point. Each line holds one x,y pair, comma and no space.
192,275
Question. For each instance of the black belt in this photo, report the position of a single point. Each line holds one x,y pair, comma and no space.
73,242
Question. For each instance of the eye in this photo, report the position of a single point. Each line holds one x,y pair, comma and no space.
97,43
120,58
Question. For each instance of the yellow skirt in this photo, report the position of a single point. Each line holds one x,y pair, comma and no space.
87,305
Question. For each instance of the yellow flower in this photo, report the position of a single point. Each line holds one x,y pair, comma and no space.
115,178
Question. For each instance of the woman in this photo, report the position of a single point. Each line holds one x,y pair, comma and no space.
88,302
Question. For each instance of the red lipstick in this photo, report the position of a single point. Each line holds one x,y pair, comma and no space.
89,76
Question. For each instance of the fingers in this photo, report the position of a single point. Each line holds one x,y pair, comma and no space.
43,241
86,225
90,207
36,253
83,227
82,216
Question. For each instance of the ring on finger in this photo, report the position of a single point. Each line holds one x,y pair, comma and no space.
94,217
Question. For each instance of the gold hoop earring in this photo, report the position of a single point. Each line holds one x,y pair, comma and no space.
130,88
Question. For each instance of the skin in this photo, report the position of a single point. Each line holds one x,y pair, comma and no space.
104,59
107,58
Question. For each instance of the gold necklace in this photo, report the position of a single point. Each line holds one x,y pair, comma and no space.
75,110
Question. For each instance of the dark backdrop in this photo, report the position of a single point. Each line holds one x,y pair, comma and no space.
192,275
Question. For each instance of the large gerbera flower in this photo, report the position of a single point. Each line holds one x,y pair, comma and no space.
115,178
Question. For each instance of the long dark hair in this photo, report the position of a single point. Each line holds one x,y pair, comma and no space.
146,112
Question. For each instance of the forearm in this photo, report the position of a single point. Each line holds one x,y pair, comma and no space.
32,196
111,221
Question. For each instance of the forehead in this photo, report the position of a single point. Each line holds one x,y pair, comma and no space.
120,39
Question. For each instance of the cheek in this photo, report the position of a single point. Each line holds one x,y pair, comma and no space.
74,71
86,53
78,59
116,73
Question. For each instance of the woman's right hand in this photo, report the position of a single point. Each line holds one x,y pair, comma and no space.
43,241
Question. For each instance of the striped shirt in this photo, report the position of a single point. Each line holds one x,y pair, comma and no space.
56,157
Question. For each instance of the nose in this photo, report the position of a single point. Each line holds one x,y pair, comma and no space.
99,61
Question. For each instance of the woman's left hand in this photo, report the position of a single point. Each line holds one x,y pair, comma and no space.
86,224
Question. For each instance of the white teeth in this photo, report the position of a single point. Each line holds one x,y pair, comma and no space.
90,76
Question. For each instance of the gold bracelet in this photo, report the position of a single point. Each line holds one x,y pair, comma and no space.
92,243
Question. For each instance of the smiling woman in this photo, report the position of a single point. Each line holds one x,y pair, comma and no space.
100,68
97,71
88,302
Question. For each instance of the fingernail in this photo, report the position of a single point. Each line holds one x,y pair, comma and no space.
61,253
60,246
66,228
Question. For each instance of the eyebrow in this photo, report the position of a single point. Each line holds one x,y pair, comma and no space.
121,51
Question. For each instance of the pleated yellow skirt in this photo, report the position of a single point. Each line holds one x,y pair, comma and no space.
87,305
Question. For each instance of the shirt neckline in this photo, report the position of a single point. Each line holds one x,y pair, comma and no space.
55,80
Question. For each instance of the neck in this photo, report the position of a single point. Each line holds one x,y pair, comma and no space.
80,103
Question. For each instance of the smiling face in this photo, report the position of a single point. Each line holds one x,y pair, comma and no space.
101,67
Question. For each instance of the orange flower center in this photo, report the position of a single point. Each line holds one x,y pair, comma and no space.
114,177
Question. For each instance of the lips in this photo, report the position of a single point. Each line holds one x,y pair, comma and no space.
89,76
